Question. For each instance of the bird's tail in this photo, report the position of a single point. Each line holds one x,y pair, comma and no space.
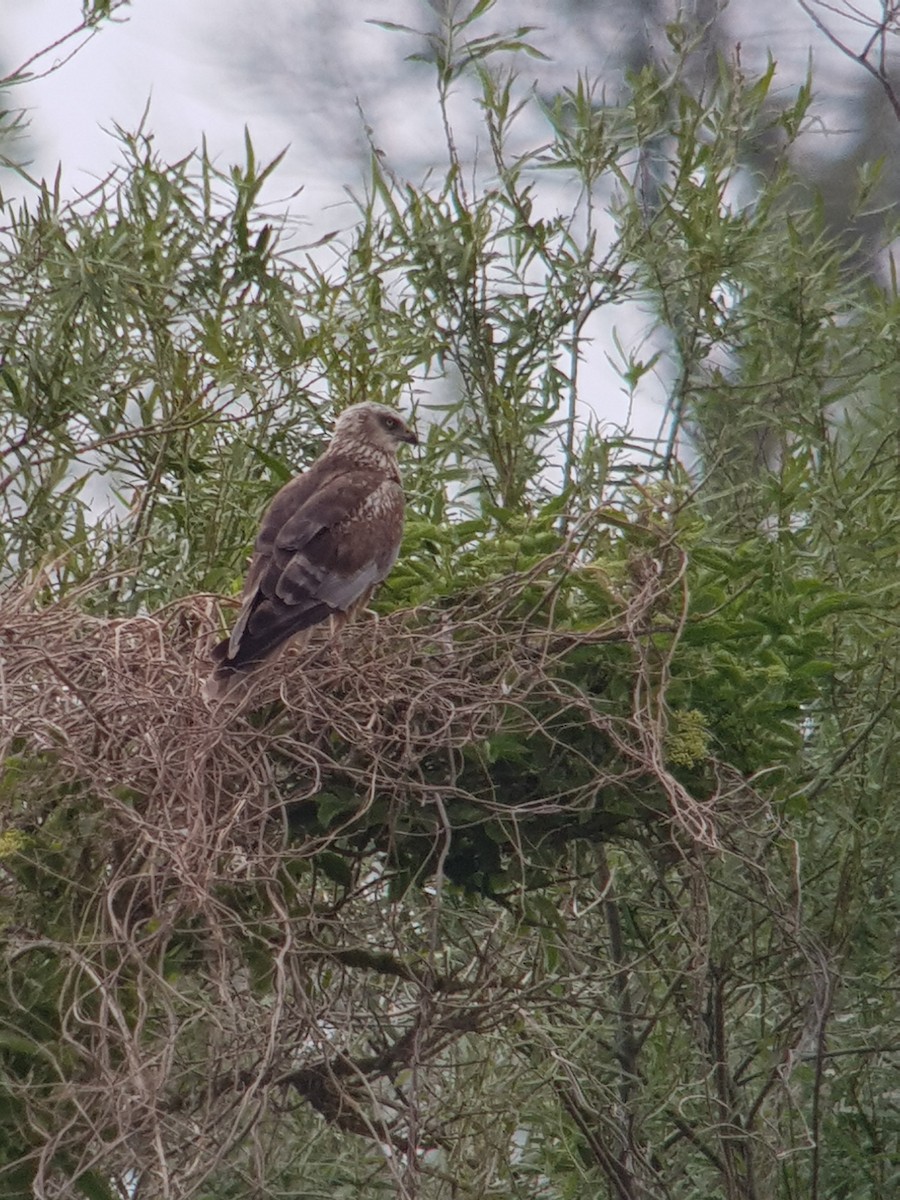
231,677
227,679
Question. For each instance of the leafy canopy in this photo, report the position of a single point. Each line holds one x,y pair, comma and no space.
570,874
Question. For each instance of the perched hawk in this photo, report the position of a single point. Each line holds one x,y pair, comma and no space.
327,540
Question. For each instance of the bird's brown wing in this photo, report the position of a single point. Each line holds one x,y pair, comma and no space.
327,539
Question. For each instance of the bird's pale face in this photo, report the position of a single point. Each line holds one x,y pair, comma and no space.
377,425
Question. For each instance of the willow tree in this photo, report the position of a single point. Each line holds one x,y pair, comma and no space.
565,873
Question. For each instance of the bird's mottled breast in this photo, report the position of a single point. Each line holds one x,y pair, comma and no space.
383,502
378,525
364,454
382,510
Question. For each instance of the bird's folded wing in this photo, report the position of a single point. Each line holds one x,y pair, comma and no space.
327,550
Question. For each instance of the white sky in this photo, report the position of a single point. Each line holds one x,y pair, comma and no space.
184,56
161,52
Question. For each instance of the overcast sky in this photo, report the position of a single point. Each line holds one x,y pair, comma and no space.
294,75
163,52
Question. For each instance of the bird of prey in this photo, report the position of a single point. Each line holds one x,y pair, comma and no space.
328,538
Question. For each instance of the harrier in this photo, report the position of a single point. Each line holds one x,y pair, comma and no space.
327,540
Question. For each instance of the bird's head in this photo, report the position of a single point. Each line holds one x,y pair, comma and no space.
374,425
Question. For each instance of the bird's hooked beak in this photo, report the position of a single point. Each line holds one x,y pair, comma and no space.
410,436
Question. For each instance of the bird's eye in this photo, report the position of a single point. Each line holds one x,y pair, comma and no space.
390,422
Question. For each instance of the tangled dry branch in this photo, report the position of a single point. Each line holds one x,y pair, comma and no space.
213,954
